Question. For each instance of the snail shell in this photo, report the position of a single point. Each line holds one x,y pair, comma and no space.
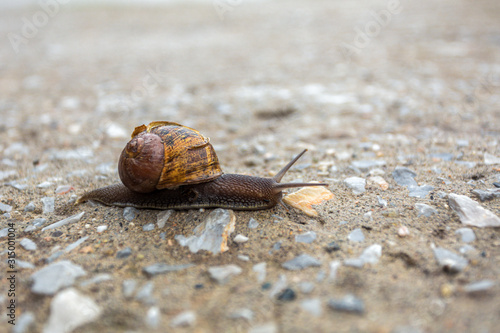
165,155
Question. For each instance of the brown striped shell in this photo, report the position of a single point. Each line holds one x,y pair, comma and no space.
167,155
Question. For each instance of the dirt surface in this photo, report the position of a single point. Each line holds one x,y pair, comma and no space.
399,82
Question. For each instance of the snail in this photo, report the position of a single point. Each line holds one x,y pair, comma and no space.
170,166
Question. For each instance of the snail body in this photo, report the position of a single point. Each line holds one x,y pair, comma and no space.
207,186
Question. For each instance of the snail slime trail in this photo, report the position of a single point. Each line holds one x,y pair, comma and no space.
170,166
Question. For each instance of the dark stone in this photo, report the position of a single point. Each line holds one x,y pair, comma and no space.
122,254
286,295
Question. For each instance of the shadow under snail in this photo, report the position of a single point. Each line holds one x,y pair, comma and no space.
170,166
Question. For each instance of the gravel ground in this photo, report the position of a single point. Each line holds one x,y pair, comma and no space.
363,85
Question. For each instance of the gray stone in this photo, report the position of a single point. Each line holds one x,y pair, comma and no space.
145,294
161,268
489,194
424,210
404,176
491,159
356,235
367,164
222,274
349,303
24,323
467,234
371,255
471,213
300,262
128,287
68,310
313,306
5,208
122,254
419,191
479,286
163,217
443,156
307,237
260,271
212,234
129,213
252,223
30,207
48,204
76,244
68,220
148,227
356,184
28,244
306,287
450,261
54,277
99,278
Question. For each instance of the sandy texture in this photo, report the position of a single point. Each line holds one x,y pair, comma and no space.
412,84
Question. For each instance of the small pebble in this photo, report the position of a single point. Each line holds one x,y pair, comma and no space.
381,202
148,227
280,285
286,295
404,176
260,271
122,254
379,181
306,287
212,234
332,246
74,245
356,235
5,208
101,228
68,220
403,231
153,317
58,275
486,195
308,237
313,306
356,184
425,210
162,218
128,287
161,268
467,234
306,197
252,223
30,207
184,319
334,267
242,313
45,184
222,274
48,205
129,213
367,164
450,261
145,293
300,262
240,239
243,257
471,212
28,244
99,278
25,323
348,303
69,309
420,191
491,159
63,189
479,287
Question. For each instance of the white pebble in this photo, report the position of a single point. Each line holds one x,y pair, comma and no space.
153,317
186,318
240,239
101,228
403,231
